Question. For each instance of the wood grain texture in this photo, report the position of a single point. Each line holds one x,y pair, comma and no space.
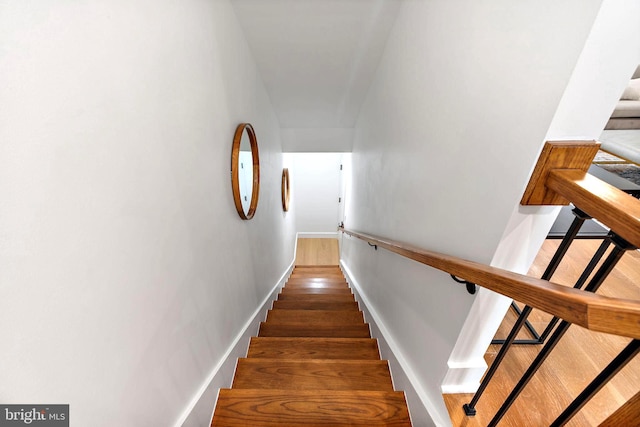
628,415
315,317
317,275
315,291
324,269
588,310
317,252
557,155
611,206
305,330
324,297
312,374
281,408
314,348
315,305
316,284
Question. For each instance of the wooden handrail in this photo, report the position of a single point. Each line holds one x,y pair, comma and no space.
595,312
614,208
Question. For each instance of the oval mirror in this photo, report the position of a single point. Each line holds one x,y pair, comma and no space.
245,171
285,189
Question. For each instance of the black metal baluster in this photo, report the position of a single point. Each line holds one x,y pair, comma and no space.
621,246
581,281
581,217
621,360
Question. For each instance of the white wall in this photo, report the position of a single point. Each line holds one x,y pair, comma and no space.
444,144
126,272
316,188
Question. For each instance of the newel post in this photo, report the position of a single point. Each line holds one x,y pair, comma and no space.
557,155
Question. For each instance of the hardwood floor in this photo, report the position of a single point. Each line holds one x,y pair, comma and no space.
576,360
317,252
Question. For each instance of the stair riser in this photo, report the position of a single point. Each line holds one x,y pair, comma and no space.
317,331
314,317
315,305
312,375
314,348
316,291
300,296
313,281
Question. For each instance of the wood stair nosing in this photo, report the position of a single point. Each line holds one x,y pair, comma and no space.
327,286
327,269
313,374
315,305
310,408
318,266
314,317
310,280
317,271
314,331
317,278
314,348
316,291
327,297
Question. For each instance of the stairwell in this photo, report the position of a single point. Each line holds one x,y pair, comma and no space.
313,363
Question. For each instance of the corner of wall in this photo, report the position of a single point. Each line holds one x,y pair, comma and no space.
200,411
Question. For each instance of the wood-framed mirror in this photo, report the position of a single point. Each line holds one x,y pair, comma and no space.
245,170
286,190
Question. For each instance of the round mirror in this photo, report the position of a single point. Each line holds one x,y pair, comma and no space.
285,189
245,171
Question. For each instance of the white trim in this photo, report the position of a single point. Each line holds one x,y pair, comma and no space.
239,345
402,372
316,235
463,377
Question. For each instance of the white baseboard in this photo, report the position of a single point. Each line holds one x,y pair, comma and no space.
317,235
200,411
421,409
463,377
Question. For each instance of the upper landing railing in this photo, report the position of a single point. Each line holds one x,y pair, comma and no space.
560,177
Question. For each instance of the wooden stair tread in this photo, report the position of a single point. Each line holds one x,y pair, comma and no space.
317,283
318,330
312,374
301,296
314,317
313,364
324,268
318,266
317,272
313,348
315,305
316,291
315,408
310,286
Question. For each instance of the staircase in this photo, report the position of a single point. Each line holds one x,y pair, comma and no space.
313,363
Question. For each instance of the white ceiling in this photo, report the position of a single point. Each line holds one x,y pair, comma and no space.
316,57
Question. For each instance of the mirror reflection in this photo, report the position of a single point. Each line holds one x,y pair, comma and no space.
245,171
